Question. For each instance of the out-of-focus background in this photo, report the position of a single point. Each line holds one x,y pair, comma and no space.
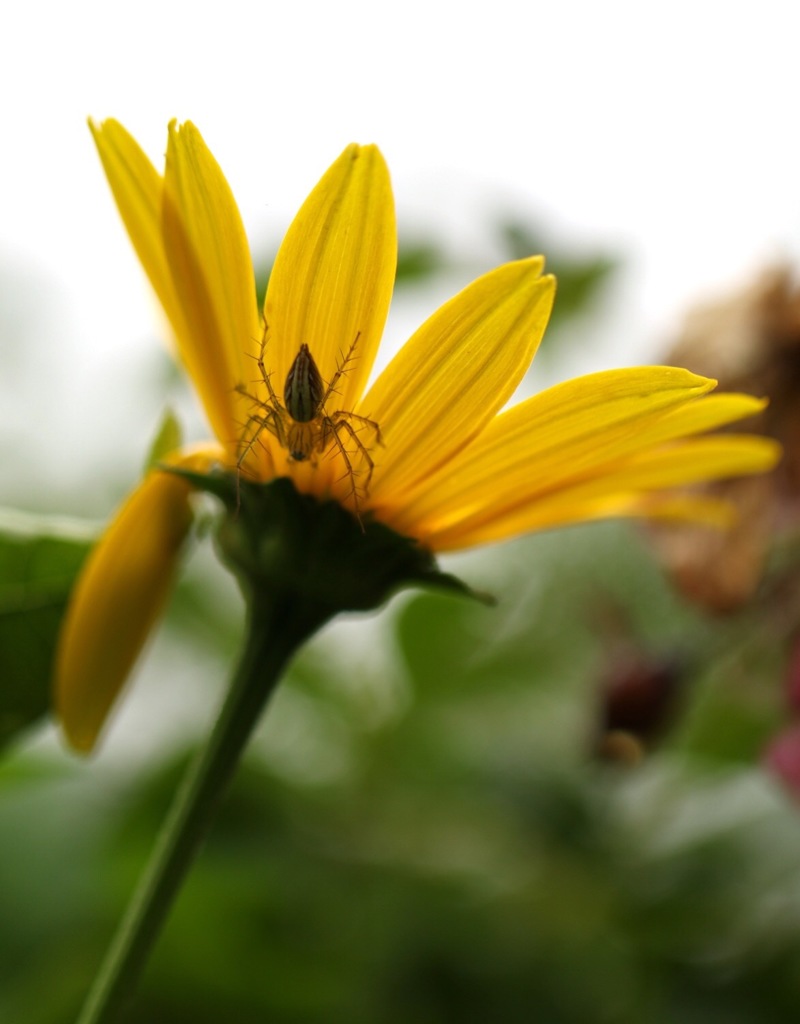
553,809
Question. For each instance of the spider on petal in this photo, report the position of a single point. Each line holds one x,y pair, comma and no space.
301,422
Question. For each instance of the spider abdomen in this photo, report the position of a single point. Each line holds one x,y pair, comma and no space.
304,391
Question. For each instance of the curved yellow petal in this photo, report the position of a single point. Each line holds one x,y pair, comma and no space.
334,273
700,509
118,596
212,270
573,430
138,191
453,375
715,513
611,492
688,462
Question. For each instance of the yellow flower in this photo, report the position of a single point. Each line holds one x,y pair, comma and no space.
427,450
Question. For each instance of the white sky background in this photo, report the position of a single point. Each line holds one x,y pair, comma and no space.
666,133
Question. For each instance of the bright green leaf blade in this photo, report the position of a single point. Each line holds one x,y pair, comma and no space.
39,560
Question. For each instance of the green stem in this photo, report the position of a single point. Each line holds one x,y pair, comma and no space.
275,630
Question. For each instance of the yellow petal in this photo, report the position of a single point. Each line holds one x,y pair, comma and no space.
617,491
571,430
118,596
454,374
212,271
716,513
333,275
689,462
701,509
138,191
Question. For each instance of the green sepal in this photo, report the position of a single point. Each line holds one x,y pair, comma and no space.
279,540
168,438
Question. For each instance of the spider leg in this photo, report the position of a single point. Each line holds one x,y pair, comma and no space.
342,415
272,405
340,370
270,420
262,369
330,435
270,414
363,451
241,389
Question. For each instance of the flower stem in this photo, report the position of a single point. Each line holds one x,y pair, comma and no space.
275,629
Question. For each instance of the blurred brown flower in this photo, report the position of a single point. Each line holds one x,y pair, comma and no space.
749,341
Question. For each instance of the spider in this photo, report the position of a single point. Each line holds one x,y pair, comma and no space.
301,422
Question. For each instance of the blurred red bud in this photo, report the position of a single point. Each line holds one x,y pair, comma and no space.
791,685
782,758
639,698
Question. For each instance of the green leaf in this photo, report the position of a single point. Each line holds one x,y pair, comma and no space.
39,560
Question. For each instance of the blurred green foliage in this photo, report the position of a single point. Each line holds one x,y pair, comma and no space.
447,848
39,560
